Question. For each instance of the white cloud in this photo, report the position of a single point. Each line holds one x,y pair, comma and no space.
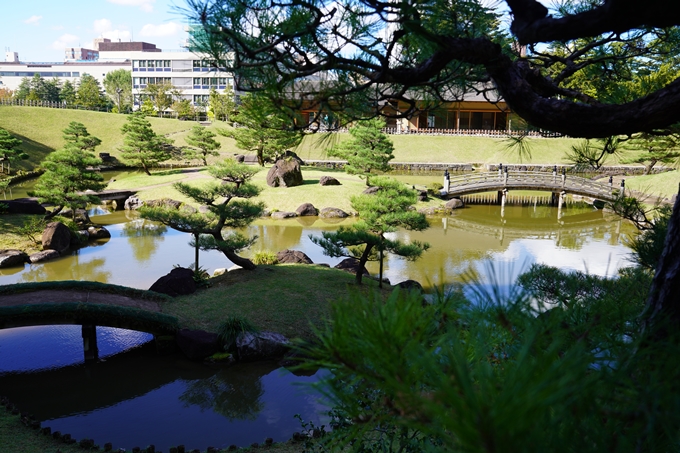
144,5
33,20
65,40
57,27
104,28
168,29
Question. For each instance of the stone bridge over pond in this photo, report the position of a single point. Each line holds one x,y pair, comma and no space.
86,308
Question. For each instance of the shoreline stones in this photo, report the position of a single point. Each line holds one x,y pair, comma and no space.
11,258
293,257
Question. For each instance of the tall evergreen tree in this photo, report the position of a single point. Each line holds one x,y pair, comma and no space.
228,205
9,149
141,145
263,128
203,142
69,172
89,93
68,93
24,89
368,150
380,213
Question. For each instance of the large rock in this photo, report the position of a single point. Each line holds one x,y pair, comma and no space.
56,236
285,173
197,344
82,217
454,203
179,282
293,257
411,285
350,265
261,345
329,181
278,215
371,190
307,209
332,213
45,255
133,203
24,206
11,258
98,233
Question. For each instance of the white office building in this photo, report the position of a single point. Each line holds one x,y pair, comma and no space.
190,73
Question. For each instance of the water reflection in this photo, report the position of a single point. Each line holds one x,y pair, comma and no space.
141,251
144,237
138,398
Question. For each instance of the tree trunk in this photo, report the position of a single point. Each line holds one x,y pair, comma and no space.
245,263
196,249
662,312
382,255
54,212
362,263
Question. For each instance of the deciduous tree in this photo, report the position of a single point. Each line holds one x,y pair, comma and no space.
160,95
118,86
222,105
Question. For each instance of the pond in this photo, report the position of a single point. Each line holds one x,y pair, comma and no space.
179,402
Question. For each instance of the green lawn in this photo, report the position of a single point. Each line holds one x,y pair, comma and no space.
286,298
662,184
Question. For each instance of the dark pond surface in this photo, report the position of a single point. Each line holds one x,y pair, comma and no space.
137,398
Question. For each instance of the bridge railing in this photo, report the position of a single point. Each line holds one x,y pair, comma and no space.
530,180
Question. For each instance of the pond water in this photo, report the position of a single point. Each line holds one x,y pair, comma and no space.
179,402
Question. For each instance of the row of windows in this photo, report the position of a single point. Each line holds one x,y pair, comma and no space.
212,81
151,80
42,74
151,64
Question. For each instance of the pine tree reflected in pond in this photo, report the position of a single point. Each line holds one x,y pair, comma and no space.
144,237
236,393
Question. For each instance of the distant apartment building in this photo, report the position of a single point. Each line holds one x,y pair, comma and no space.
188,72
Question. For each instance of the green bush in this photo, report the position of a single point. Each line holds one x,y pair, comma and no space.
230,329
434,187
265,257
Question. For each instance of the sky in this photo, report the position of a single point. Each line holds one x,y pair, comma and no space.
40,30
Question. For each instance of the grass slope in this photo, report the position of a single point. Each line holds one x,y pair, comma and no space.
663,184
286,298
41,128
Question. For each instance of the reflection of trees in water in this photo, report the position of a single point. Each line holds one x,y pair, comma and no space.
235,395
276,237
68,268
144,237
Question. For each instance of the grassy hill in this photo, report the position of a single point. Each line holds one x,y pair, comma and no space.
40,129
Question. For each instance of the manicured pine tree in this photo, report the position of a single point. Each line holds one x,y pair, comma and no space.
383,212
203,142
9,149
228,207
68,172
262,128
368,150
141,145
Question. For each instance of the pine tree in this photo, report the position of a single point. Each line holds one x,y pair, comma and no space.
380,213
68,93
141,145
203,142
224,211
263,128
69,172
9,149
89,93
368,150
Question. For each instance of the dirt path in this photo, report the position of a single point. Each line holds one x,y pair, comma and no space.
60,296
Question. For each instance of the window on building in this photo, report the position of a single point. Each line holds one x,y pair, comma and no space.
142,63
